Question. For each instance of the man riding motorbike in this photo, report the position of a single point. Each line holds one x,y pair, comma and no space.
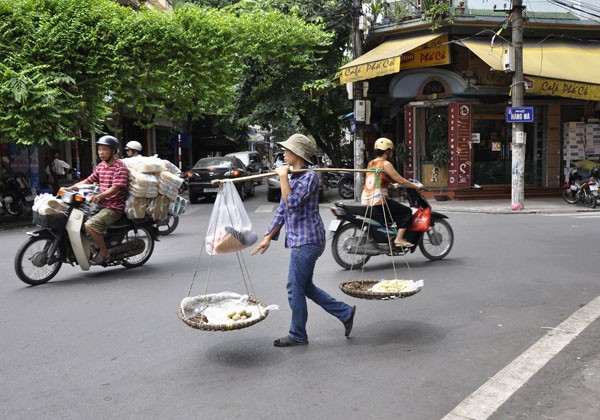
111,176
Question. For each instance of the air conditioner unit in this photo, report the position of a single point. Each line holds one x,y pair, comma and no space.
508,59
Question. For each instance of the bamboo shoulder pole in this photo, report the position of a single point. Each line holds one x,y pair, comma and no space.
297,171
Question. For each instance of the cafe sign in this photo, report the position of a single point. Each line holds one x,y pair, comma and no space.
562,88
434,53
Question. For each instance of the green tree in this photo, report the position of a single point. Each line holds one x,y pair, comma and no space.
280,94
72,65
53,57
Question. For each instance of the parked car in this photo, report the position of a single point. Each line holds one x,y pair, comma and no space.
252,162
207,169
274,188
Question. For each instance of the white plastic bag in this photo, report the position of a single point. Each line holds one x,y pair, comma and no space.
229,227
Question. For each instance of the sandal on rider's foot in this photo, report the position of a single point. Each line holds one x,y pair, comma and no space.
404,244
99,259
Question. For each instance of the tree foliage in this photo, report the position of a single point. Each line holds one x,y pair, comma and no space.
73,65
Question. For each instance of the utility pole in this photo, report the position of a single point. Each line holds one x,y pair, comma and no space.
357,94
517,89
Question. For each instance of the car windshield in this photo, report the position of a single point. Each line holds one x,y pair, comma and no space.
214,162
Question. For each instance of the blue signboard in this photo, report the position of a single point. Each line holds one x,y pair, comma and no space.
519,114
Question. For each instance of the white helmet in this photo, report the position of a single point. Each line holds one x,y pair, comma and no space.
384,143
134,145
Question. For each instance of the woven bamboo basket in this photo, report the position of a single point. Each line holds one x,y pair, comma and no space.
360,289
200,323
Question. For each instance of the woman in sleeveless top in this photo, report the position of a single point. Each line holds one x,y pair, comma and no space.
377,184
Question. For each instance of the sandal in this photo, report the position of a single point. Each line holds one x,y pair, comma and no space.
404,244
99,259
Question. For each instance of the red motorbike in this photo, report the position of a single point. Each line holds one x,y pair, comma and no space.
576,190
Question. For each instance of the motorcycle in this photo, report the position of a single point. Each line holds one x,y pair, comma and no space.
61,238
576,190
16,196
345,185
357,237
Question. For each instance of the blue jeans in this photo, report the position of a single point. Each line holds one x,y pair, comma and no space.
300,286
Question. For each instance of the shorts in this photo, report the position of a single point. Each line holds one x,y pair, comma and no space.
102,220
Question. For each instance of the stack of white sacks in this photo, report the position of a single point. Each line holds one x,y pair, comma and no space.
153,188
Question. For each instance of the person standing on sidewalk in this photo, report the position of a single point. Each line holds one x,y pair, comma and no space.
298,210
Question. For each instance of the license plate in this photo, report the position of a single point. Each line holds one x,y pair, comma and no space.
593,187
207,190
334,225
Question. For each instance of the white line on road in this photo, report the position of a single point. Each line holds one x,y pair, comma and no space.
581,214
490,396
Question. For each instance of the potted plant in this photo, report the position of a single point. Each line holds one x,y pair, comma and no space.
440,157
402,155
436,11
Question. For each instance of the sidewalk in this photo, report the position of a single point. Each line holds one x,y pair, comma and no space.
548,205
551,205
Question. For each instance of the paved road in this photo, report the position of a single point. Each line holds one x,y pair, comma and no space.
106,344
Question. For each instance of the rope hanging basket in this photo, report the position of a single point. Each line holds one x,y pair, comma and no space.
200,322
363,289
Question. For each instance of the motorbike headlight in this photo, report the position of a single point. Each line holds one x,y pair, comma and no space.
573,187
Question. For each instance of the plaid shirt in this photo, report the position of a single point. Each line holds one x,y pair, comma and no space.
108,176
303,223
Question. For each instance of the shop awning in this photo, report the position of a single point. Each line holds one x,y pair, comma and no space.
383,59
557,68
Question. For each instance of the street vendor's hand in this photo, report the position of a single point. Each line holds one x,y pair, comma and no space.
262,246
282,171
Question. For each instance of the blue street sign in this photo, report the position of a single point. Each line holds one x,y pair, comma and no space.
519,114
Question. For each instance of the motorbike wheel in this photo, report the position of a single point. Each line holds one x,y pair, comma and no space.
346,188
167,225
344,238
570,196
14,207
31,261
589,200
437,242
140,259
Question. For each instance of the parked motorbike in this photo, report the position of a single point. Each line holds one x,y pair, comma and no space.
60,238
359,237
345,185
16,196
576,190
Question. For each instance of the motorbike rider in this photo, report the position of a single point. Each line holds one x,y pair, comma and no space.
133,148
111,175
375,192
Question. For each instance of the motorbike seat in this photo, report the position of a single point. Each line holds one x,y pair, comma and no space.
353,208
121,223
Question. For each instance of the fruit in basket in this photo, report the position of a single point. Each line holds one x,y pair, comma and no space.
240,314
392,286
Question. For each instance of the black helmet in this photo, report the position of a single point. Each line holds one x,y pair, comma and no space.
595,172
109,141
574,175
